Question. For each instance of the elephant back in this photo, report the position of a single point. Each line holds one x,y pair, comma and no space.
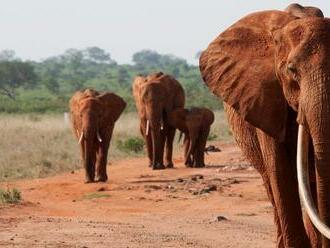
175,91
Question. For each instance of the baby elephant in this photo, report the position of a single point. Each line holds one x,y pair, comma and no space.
195,123
93,117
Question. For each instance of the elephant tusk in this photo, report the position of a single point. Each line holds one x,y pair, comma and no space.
180,137
99,137
303,183
161,126
81,137
147,128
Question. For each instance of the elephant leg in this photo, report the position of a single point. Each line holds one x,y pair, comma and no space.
200,147
102,158
148,141
187,157
282,176
89,164
246,138
101,168
169,147
279,238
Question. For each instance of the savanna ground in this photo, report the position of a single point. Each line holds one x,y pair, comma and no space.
222,205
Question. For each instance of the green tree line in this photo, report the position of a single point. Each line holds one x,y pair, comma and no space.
46,86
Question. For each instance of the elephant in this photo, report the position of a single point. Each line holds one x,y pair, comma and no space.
301,11
272,71
93,116
195,123
156,95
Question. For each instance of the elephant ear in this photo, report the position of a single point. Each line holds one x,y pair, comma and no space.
74,109
238,66
113,106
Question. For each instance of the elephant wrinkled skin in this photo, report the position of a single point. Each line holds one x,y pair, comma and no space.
195,123
272,70
93,116
155,97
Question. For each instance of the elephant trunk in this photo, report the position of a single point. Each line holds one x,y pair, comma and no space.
304,183
157,145
191,149
91,135
154,125
317,113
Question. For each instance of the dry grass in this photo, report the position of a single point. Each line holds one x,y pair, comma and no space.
40,145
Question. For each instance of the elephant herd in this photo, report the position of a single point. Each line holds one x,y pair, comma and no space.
160,103
272,71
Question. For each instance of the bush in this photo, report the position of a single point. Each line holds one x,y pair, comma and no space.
10,196
134,144
212,136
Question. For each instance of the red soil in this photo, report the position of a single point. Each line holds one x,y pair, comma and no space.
139,207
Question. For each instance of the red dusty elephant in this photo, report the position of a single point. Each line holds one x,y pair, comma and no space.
195,123
155,97
93,117
272,70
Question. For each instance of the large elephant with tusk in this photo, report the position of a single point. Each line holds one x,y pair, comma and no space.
272,70
93,117
155,97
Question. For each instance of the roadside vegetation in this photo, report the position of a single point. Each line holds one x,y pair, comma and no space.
36,140
10,196
40,145
46,86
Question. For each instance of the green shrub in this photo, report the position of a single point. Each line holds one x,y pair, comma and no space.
10,196
134,144
212,136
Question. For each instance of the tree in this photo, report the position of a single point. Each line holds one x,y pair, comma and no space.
97,55
51,84
123,76
8,55
73,56
15,74
146,57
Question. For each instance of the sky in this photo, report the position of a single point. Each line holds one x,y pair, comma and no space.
37,29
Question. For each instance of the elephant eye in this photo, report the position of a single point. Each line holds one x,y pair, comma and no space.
291,68
292,71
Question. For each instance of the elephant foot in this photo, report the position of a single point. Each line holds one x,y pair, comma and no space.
101,179
199,165
88,180
158,166
170,165
188,165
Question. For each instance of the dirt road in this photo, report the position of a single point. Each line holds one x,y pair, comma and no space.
222,205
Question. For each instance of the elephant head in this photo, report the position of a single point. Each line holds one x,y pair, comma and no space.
301,11
270,62
93,116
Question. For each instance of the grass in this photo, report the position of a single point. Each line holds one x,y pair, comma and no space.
95,195
10,196
133,144
36,145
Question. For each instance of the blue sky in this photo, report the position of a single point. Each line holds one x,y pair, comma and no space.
36,29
